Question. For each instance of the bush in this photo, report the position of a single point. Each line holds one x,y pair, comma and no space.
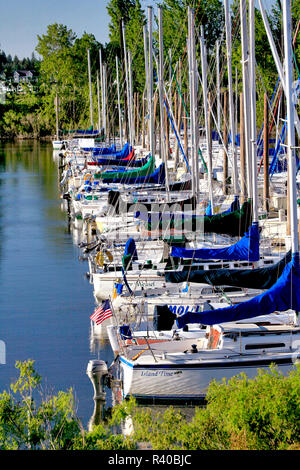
241,414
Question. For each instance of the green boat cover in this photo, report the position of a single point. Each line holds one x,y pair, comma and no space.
234,223
145,170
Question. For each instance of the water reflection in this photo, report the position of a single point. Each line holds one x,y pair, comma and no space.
45,299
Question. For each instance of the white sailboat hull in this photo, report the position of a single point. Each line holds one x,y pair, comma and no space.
191,379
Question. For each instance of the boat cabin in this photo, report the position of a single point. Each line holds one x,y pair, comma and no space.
253,338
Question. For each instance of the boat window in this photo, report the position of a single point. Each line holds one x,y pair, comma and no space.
264,346
206,290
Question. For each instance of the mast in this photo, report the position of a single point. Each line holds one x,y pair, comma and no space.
150,77
230,101
98,102
245,68
266,153
161,96
102,93
147,79
127,84
286,15
105,98
57,102
253,132
218,86
208,140
132,130
119,105
277,61
193,103
90,88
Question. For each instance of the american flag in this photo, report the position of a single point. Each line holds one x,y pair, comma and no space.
102,312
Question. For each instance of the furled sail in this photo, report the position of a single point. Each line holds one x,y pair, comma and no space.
247,248
282,296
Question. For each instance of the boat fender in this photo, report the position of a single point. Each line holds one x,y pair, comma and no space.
88,178
100,257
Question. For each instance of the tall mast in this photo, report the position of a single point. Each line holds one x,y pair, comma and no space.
147,77
218,85
193,102
253,132
207,131
105,99
277,61
127,83
150,77
245,68
132,132
161,96
287,28
90,88
98,102
119,104
230,101
102,93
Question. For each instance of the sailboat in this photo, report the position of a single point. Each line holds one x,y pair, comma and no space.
183,369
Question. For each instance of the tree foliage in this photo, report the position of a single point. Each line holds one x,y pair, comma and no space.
261,413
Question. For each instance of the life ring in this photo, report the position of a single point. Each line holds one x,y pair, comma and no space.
100,257
88,177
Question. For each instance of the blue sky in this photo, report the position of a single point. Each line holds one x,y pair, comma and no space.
22,20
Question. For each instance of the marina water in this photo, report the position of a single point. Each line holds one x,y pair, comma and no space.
46,299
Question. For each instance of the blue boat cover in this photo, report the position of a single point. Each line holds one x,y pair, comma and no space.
282,296
101,150
157,177
208,209
130,253
247,248
112,151
119,162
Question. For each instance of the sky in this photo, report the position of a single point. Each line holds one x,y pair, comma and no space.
22,20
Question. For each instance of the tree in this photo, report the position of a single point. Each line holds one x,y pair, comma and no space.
64,72
24,424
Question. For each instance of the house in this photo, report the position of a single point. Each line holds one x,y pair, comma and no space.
22,77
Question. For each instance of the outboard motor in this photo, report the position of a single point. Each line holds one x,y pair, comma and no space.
97,371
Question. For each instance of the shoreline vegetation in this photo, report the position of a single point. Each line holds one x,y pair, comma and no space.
62,67
261,413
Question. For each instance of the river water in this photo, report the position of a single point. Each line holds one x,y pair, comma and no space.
45,298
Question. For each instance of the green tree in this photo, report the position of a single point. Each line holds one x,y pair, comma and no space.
25,424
